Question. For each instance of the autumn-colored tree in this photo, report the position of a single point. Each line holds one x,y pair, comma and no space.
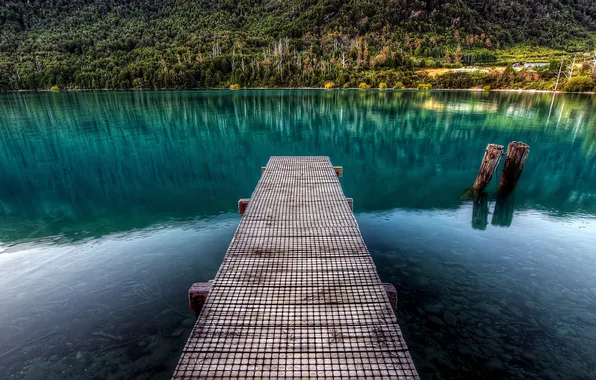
447,58
457,55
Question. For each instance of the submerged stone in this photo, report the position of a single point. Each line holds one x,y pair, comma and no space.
488,308
436,320
529,356
178,332
494,365
449,318
436,308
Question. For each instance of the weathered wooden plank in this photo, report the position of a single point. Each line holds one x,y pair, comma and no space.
257,278
312,246
292,295
297,295
289,365
217,338
299,264
291,316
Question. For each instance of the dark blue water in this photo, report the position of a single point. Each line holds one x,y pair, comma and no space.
113,203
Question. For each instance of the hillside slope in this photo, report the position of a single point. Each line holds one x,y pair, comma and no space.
202,43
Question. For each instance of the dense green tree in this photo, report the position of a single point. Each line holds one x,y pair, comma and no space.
211,43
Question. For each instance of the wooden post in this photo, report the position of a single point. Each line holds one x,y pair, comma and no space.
492,157
339,170
242,205
517,153
480,211
263,169
503,213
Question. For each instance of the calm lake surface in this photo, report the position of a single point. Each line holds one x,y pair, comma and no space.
113,203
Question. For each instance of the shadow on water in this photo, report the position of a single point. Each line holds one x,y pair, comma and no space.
112,203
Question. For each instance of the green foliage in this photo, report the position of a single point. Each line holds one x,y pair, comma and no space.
382,86
148,44
55,89
399,86
424,87
486,88
579,84
363,86
457,80
329,85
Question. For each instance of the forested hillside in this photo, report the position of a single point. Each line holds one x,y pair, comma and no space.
213,43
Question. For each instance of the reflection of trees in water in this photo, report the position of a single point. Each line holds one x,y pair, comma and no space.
76,158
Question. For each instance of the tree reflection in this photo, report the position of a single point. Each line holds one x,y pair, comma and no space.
105,161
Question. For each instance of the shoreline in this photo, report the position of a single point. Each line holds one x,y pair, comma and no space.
311,89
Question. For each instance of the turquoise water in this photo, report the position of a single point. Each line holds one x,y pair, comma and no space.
113,203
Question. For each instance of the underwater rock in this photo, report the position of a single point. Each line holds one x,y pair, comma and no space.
436,320
494,365
587,319
530,305
506,358
449,318
488,308
443,361
79,355
178,332
436,308
529,356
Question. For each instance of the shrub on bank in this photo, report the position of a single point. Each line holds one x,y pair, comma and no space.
399,86
329,85
579,84
363,86
382,86
55,89
424,86
234,86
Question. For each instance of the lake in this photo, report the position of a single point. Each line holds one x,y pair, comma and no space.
113,203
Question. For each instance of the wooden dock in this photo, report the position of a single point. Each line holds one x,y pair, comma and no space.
298,295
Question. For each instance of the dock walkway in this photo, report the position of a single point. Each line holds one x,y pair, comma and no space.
297,295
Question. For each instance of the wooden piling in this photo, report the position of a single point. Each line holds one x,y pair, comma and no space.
490,162
503,213
480,211
517,153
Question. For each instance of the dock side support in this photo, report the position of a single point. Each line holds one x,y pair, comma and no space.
339,170
197,295
391,293
350,203
242,205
